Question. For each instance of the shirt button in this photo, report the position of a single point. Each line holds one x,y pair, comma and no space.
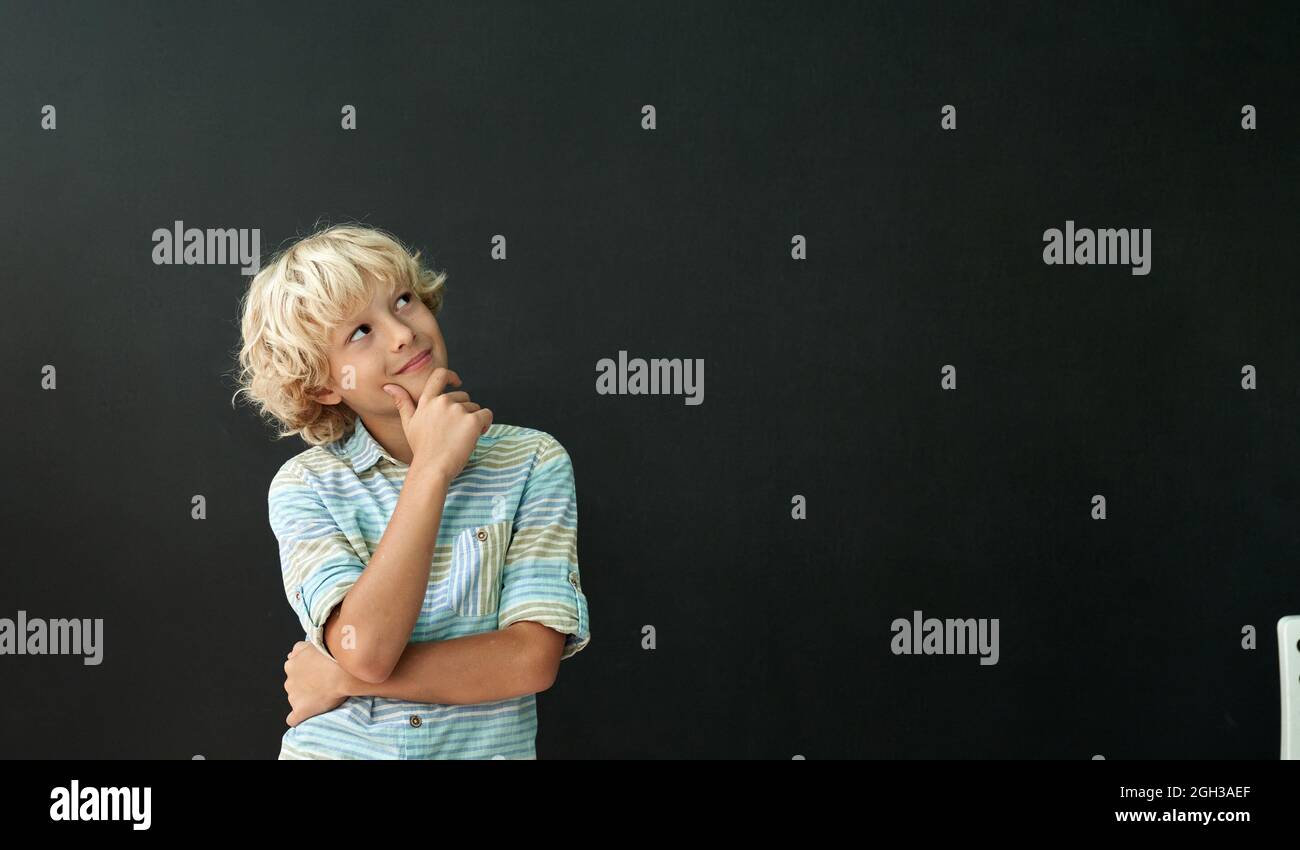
482,535
297,595
415,720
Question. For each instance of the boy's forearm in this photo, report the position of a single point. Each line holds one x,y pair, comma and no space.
484,667
384,604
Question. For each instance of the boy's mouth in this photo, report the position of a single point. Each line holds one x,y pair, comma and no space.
416,363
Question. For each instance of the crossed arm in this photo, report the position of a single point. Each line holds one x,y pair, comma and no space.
384,605
522,658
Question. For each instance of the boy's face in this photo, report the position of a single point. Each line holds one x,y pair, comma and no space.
370,348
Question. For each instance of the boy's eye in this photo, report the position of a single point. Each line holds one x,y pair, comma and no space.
352,338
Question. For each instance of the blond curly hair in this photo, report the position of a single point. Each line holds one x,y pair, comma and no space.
294,302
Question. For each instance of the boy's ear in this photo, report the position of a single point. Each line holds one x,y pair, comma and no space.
327,396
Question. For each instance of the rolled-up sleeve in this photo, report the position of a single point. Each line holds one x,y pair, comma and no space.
318,564
540,581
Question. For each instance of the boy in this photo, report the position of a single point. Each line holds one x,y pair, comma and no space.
430,554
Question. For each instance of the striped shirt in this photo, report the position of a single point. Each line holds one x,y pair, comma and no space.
506,551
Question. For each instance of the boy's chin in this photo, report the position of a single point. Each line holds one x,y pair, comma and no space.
413,384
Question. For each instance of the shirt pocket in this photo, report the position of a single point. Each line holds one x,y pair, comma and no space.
474,579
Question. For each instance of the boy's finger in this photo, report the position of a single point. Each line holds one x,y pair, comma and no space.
401,399
438,382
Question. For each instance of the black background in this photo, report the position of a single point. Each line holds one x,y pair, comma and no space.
1119,637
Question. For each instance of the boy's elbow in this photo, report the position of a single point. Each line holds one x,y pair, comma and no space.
546,672
367,670
374,675
373,671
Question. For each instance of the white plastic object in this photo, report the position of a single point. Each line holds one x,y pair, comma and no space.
1288,662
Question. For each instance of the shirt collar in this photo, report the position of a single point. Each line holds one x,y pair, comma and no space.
361,449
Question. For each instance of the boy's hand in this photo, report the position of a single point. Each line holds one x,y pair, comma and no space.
441,429
315,683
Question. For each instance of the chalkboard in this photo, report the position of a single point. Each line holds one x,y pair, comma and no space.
906,410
